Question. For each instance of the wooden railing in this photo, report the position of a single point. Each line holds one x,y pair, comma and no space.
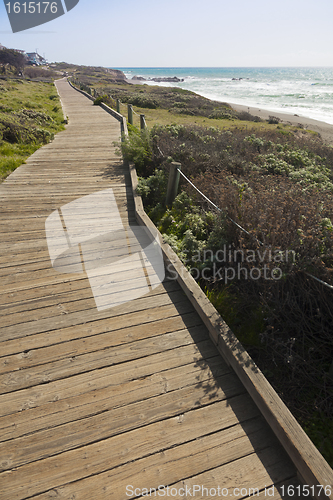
92,94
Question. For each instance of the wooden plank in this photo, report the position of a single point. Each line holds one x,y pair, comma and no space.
111,338
127,390
38,477
242,477
80,303
76,364
110,421
280,490
34,299
41,348
48,395
170,466
75,319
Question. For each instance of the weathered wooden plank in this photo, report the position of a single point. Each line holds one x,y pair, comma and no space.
23,269
35,295
16,380
81,303
162,325
52,472
165,469
42,348
243,477
110,421
40,400
116,394
77,318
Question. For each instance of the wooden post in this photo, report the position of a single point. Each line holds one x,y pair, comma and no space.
173,183
130,113
142,122
118,105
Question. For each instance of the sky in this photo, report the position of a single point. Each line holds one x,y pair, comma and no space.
183,33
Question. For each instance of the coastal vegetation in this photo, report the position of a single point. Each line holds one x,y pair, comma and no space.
278,187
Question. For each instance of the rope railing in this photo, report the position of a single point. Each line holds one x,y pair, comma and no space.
174,189
215,206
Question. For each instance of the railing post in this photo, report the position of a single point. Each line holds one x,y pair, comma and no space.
130,113
142,122
118,105
173,183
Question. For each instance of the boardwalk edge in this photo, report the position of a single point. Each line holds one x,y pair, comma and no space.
313,470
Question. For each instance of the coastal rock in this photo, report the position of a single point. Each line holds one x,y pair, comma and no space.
159,79
172,79
116,73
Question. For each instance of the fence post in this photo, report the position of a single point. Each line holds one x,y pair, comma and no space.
142,122
130,113
118,105
173,183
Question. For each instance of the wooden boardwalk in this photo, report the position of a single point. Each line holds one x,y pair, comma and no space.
99,405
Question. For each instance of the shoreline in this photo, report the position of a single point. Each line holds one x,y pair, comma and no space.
325,130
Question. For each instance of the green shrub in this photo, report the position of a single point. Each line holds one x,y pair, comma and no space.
144,102
136,148
273,120
108,100
220,114
153,188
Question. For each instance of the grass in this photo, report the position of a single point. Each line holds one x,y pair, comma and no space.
30,115
166,117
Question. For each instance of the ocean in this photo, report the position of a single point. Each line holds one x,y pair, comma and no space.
307,92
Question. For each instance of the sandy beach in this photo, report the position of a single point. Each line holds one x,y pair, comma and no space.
324,129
